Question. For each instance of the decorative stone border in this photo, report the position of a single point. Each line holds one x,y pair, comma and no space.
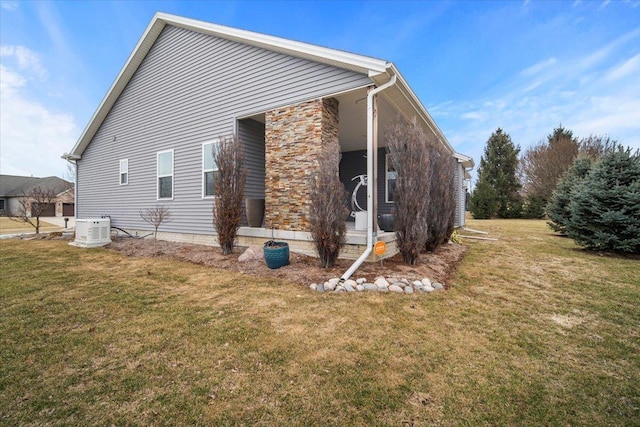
380,284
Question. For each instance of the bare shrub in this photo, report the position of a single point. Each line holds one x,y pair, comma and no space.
228,155
32,205
409,150
155,216
442,198
328,209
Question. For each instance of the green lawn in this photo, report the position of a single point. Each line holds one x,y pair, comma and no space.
533,332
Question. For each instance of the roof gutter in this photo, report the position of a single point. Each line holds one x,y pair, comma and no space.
371,156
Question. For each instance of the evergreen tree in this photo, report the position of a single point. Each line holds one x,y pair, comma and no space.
558,208
533,207
605,206
483,203
497,171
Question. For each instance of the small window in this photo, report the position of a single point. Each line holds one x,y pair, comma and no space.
391,178
124,172
165,174
209,170
1,204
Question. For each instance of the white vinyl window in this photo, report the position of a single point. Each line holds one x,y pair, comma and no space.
165,174
209,170
391,177
124,172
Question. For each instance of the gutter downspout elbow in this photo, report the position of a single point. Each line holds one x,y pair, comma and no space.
370,174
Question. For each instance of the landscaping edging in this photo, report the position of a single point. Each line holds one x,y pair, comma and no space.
380,284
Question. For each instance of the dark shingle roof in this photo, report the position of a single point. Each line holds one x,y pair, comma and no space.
12,185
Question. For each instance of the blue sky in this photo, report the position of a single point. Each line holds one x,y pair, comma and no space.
525,66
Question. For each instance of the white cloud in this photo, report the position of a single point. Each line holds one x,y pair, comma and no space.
10,81
540,66
26,59
9,5
593,94
32,137
627,68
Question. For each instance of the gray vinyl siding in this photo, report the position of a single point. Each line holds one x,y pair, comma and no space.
460,196
188,90
251,133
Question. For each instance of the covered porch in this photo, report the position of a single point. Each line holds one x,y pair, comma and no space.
281,147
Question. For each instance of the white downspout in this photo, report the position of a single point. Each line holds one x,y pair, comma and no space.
370,175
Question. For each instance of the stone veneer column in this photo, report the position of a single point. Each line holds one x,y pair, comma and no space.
294,136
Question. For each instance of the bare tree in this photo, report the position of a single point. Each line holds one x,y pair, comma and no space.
543,164
155,216
328,209
409,151
70,175
33,204
228,155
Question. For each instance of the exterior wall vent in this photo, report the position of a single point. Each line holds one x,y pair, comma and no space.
91,233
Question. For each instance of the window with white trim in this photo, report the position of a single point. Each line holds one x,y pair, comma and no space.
124,172
209,170
391,177
165,174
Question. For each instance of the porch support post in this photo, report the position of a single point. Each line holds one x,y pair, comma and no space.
372,148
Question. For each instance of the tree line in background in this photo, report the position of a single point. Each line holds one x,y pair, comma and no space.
589,188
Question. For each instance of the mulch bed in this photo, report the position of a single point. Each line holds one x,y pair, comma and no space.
437,266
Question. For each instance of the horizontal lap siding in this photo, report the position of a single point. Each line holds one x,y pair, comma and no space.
251,133
187,91
460,196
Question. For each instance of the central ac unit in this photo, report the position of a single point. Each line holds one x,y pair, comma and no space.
91,233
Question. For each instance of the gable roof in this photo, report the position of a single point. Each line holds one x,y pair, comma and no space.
379,70
15,186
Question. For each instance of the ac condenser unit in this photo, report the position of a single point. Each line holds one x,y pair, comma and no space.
91,233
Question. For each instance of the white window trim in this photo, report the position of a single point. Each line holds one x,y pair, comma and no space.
204,181
123,172
386,179
172,175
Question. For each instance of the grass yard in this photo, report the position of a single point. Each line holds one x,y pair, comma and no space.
532,332
8,226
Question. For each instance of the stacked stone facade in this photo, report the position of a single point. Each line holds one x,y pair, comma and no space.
294,137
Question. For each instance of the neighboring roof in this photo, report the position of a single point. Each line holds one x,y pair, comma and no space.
380,71
15,186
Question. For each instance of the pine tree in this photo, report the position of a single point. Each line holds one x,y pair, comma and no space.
483,203
558,208
605,206
497,171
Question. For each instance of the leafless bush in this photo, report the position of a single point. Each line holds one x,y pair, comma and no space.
442,201
409,151
155,216
33,203
228,155
328,209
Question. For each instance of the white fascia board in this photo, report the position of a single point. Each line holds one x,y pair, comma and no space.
466,161
360,63
413,99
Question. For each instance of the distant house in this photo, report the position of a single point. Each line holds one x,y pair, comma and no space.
13,188
187,83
